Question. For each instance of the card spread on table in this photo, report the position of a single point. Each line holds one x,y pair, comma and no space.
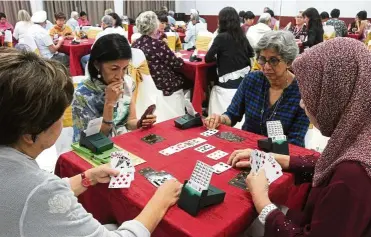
216,155
229,136
154,177
182,146
221,167
152,139
122,163
209,132
201,177
135,160
240,180
204,148
261,160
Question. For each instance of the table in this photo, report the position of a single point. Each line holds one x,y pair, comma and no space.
226,219
197,72
76,52
354,36
181,36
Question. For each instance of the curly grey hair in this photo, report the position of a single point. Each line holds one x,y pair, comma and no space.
283,42
147,23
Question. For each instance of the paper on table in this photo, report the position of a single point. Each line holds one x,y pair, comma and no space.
189,107
94,126
8,36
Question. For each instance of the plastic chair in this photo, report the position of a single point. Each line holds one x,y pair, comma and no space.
203,39
171,40
135,36
329,32
93,31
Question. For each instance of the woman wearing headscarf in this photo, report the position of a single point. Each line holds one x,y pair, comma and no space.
334,81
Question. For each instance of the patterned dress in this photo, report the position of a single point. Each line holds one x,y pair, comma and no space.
88,104
163,64
340,27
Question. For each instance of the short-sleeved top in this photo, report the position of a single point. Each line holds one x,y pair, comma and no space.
162,63
299,33
83,22
252,100
88,104
339,25
42,40
73,24
60,31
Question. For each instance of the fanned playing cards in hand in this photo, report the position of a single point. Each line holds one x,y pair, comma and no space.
121,162
260,159
201,177
275,131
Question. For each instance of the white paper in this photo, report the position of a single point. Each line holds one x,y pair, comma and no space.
189,107
8,36
94,126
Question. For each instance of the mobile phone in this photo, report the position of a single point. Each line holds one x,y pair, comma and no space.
149,111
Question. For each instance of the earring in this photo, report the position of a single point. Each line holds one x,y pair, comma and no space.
99,76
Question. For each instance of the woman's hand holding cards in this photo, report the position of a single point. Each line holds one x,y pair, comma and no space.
257,183
240,158
149,121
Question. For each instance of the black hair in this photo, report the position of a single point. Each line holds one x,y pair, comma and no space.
82,13
229,22
314,18
362,15
270,12
60,15
324,15
131,21
249,15
241,13
335,13
163,18
117,19
2,15
108,48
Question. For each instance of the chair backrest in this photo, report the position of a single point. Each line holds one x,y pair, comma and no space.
30,42
203,39
93,31
329,32
135,36
180,23
171,40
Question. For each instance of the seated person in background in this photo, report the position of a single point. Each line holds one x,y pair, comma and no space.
165,27
273,20
248,19
83,20
300,29
43,40
117,22
108,11
324,17
61,29
171,18
339,25
36,202
4,24
23,25
193,28
315,28
196,12
241,14
162,62
363,25
338,203
107,26
107,92
270,94
72,22
257,31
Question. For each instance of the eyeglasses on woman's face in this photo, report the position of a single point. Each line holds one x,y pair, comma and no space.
273,61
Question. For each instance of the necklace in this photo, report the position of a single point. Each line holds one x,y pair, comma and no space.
273,114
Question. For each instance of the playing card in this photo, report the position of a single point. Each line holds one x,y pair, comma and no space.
216,155
205,148
209,132
221,167
197,141
94,126
229,136
274,128
179,147
158,178
255,159
123,180
146,171
152,139
239,180
273,170
168,151
201,176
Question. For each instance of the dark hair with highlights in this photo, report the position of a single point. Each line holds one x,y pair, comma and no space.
34,93
117,19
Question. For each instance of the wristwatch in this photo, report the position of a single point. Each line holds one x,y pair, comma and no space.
85,182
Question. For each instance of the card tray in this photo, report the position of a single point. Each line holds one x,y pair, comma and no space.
267,145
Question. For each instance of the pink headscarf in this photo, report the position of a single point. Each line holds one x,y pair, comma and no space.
334,79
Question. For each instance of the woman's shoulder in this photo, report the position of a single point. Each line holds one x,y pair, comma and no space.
353,175
86,89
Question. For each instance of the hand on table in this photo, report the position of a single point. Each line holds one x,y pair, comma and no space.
213,121
168,193
113,92
257,183
149,121
101,174
240,158
61,39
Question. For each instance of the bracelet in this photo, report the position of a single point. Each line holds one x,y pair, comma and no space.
108,122
265,212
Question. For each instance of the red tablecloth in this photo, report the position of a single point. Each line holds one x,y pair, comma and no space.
197,71
226,219
181,36
354,36
76,52
2,37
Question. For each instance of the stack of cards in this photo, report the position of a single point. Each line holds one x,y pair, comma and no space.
209,132
260,159
275,131
216,155
182,146
201,177
154,177
122,163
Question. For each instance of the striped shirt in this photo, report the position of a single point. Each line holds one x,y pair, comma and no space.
252,100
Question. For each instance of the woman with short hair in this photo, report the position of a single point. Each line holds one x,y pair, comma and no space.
108,92
270,94
164,65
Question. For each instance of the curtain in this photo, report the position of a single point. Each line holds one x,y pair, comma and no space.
11,8
94,9
133,8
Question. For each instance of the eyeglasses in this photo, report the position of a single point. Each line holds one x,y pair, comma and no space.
272,61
